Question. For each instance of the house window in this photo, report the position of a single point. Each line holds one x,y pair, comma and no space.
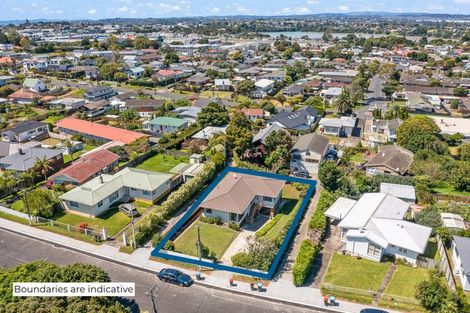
208,211
233,216
403,250
74,204
133,189
100,203
269,199
113,197
146,192
373,250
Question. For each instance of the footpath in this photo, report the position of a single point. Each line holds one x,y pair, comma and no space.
280,290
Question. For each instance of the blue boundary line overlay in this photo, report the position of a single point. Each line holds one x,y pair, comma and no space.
239,270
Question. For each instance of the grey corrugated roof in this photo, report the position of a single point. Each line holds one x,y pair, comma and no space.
28,158
312,142
25,126
263,133
463,246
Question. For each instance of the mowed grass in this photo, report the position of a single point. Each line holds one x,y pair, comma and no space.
405,279
216,238
356,273
162,163
113,220
449,190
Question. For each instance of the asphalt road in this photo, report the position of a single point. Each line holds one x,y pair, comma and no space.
16,249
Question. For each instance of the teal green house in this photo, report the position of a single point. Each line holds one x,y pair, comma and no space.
164,124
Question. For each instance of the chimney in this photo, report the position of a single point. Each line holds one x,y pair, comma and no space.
20,151
101,179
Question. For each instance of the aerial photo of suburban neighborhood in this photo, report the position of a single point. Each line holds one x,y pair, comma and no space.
189,156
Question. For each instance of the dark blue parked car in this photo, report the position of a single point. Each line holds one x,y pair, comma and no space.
373,311
175,276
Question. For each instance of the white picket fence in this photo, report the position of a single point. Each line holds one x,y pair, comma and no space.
13,212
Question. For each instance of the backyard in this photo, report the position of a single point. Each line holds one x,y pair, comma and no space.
215,237
162,163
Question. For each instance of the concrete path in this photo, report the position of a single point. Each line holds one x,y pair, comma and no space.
302,233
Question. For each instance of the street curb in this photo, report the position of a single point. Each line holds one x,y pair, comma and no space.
207,285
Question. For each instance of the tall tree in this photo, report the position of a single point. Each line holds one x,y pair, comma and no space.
239,133
43,166
418,133
213,115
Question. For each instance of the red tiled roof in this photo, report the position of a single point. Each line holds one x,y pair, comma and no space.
168,72
253,112
88,166
99,130
22,94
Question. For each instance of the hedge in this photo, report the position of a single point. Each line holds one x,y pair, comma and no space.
304,261
319,221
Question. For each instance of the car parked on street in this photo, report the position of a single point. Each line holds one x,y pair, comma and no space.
175,276
371,310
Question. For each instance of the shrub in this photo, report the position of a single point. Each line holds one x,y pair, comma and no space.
268,226
211,220
169,245
82,226
234,226
304,261
319,221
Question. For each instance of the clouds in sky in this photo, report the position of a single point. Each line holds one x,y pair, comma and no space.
84,9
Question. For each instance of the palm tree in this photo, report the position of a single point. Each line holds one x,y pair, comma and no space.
69,145
343,104
27,178
43,166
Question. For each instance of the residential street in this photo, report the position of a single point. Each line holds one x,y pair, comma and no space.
15,249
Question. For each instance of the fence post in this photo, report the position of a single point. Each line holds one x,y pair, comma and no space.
124,238
68,227
105,235
86,231
52,223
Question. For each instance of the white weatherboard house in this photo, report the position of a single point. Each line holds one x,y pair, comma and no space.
308,152
97,195
239,197
461,258
373,227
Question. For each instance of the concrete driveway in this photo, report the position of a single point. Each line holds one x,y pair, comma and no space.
239,243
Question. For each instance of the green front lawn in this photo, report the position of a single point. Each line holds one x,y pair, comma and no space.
348,271
216,238
162,163
405,279
113,220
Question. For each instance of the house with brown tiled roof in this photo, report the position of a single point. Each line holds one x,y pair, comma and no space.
392,160
87,167
239,198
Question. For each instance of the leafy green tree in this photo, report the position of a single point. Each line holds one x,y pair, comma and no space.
464,151
278,159
279,138
317,103
40,271
435,296
120,76
296,71
388,90
330,175
418,133
246,87
170,58
141,42
213,115
42,202
239,133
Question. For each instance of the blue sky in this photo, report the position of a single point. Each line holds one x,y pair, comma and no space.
96,9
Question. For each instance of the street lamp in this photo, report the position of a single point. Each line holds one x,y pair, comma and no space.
199,246
151,295
133,230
